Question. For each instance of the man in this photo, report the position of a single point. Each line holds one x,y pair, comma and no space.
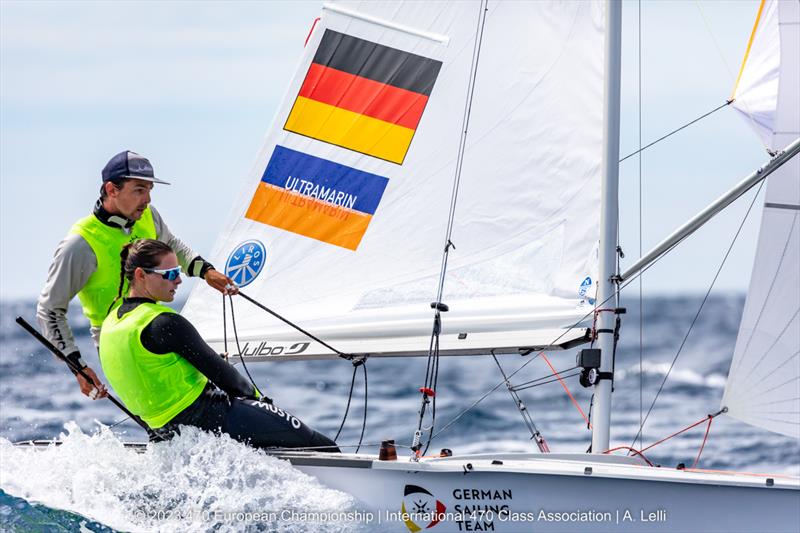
87,261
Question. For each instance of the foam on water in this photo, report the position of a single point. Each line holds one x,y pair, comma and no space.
680,376
197,481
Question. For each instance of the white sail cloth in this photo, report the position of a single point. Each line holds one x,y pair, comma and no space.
763,387
342,223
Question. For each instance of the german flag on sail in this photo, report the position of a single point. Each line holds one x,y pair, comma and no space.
316,198
363,96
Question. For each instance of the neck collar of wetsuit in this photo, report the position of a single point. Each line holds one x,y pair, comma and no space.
137,300
131,303
111,219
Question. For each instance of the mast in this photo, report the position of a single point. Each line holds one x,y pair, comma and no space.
601,410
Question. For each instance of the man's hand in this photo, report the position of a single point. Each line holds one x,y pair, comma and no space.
221,282
96,391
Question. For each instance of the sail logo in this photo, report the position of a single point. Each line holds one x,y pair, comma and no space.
583,290
363,96
420,507
246,262
316,198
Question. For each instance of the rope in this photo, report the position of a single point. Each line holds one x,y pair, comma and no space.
684,430
224,327
347,408
670,134
364,423
356,363
705,438
566,389
634,450
708,418
295,326
238,347
699,310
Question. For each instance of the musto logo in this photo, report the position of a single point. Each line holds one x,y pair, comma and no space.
245,262
420,507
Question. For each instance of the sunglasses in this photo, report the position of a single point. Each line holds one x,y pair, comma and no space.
170,274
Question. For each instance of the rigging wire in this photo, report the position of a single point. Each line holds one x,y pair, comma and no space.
715,41
523,410
552,379
673,132
641,232
727,66
566,330
432,367
709,113
700,309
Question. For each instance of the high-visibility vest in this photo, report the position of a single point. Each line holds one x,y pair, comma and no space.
156,387
106,241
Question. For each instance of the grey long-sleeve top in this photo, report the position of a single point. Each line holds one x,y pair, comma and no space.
74,262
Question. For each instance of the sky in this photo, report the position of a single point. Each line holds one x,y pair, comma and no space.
193,86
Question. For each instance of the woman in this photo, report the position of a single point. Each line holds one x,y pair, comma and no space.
168,376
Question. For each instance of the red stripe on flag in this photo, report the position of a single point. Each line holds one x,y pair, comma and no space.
364,96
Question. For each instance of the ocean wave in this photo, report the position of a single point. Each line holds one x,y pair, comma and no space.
680,376
195,482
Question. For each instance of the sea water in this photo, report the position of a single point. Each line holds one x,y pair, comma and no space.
200,482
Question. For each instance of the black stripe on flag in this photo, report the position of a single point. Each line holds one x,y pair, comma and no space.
377,62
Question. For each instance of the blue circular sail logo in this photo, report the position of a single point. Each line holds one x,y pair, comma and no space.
245,262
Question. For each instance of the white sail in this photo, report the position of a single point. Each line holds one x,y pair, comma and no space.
343,221
763,387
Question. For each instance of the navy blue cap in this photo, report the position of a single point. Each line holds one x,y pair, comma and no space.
129,164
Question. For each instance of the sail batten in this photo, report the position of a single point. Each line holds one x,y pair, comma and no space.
342,220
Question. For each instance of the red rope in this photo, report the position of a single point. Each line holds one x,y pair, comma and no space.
708,428
311,31
594,320
634,450
640,453
678,433
571,397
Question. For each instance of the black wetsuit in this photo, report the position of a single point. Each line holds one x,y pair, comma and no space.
229,402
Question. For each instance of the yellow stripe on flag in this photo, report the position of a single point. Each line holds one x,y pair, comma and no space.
347,129
306,216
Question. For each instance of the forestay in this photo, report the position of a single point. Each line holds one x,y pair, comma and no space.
342,223
763,387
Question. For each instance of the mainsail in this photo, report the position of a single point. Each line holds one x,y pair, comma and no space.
342,224
763,387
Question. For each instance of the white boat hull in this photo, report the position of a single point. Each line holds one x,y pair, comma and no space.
557,493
